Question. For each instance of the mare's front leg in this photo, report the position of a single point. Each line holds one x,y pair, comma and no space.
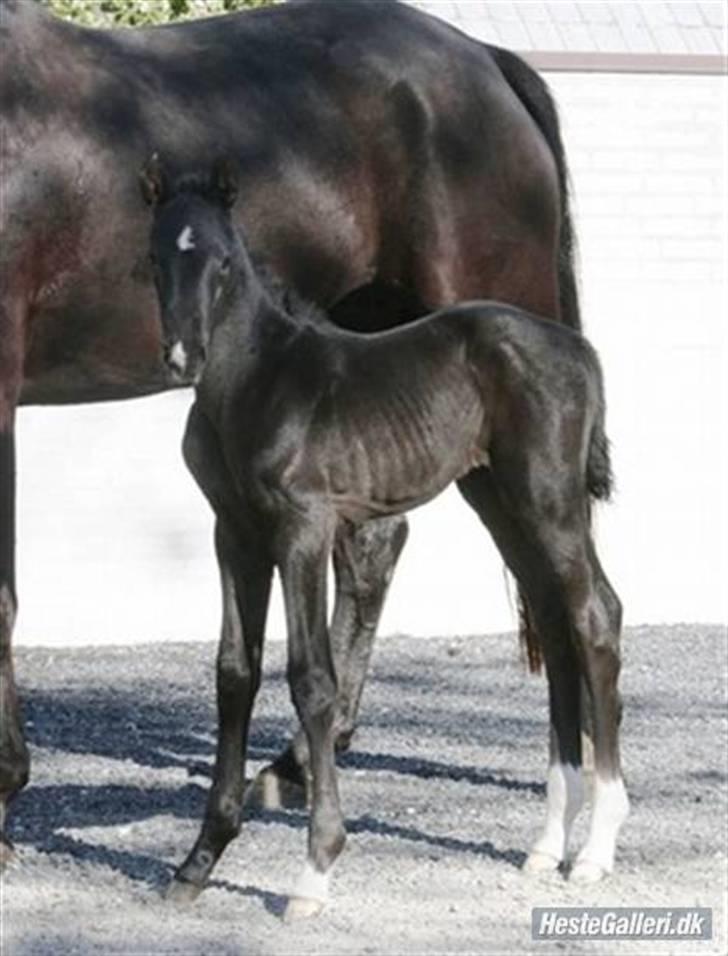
365,557
14,760
245,574
302,559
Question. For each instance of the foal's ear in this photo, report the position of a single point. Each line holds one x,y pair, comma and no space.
224,180
153,181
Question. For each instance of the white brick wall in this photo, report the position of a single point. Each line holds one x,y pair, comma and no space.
648,160
115,541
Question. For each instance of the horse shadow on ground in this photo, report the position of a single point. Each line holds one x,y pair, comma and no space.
76,807
179,733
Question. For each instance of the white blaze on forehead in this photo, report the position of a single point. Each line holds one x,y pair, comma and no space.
178,356
186,240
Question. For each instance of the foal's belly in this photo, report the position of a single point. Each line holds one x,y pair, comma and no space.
396,464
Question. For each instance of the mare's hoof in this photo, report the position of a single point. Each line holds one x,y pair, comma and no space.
300,907
269,791
538,862
7,853
585,872
182,892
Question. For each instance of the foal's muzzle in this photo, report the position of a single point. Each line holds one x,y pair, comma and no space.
185,362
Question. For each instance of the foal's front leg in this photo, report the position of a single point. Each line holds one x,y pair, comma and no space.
246,579
312,680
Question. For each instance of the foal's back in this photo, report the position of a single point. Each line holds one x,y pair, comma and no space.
389,420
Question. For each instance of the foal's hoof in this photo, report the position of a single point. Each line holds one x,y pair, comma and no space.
182,892
537,862
300,907
585,872
269,791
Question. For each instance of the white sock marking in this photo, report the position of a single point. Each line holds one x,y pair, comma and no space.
609,811
564,798
312,885
186,240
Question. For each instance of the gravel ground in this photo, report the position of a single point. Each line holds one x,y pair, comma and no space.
443,794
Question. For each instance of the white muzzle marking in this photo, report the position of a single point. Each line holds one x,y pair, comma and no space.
186,240
178,357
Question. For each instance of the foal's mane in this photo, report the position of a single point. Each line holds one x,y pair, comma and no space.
284,296
198,184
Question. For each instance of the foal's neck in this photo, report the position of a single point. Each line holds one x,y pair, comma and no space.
258,320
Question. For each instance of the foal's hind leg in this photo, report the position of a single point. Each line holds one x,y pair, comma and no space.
598,631
529,564
542,530
364,560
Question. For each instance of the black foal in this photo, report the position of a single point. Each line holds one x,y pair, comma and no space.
301,430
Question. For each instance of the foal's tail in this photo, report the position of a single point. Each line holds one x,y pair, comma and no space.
599,477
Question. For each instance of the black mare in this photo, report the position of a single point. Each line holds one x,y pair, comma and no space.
386,159
301,431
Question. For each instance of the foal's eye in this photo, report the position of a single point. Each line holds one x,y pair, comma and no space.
225,266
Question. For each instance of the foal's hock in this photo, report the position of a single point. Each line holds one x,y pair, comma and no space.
301,429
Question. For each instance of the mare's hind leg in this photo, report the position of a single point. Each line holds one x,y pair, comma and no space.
543,536
364,560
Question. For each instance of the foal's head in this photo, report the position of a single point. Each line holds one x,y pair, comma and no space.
197,258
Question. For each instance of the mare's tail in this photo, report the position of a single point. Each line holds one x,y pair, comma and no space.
535,96
533,92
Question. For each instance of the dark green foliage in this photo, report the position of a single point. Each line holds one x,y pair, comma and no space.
135,13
